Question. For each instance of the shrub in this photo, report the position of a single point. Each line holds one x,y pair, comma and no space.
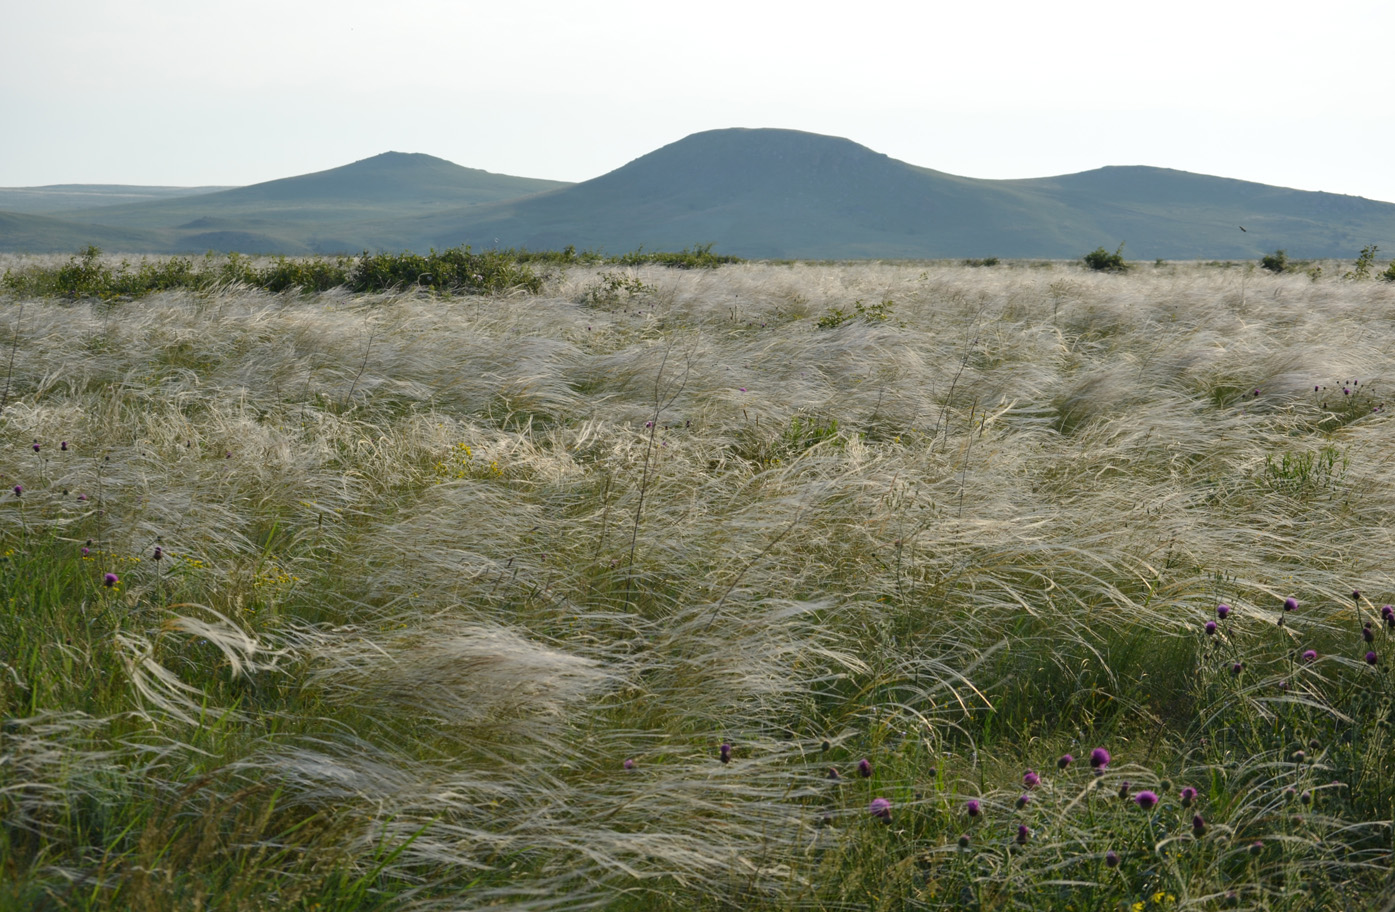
613,289
304,275
1389,274
876,313
1102,260
1275,262
454,271
1362,268
986,261
696,257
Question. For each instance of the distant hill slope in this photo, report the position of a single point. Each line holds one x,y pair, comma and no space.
752,192
59,198
324,211
784,193
25,232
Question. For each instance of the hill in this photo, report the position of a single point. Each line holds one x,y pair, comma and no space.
783,193
321,212
58,198
28,233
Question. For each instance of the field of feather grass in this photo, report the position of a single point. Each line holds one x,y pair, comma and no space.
598,597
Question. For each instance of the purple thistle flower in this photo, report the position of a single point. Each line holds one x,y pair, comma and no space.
973,807
63,446
1290,604
1387,611
1222,610
1188,796
964,841
1237,668
1256,847
1210,628
1099,758
1023,800
1367,634
724,752
159,553
1146,799
86,551
82,498
19,490
833,774
1124,789
110,580
1111,859
1356,595
881,809
864,768
1372,658
629,763
36,446
1030,779
742,388
1310,655
1023,834
1198,826
1065,761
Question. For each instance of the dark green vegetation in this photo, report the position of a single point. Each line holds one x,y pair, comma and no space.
1102,260
755,193
457,271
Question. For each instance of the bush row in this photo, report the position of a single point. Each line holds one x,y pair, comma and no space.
457,270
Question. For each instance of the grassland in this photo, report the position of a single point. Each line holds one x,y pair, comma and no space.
458,598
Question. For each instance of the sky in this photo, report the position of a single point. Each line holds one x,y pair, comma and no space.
205,92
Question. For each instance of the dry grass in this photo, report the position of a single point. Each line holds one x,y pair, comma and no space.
430,577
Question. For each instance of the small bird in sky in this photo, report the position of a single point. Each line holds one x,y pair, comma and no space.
1242,228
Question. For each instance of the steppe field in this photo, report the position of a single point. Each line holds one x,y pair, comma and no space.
762,587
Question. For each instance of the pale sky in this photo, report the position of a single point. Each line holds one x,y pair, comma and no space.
191,92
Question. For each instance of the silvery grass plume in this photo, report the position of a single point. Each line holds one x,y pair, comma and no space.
433,569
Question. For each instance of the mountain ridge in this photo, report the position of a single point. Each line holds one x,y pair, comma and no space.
760,193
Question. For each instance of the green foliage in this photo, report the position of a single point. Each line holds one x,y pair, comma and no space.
763,449
454,271
875,313
1102,260
304,275
615,288
1304,474
1389,274
1361,269
697,257
1275,262
986,261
